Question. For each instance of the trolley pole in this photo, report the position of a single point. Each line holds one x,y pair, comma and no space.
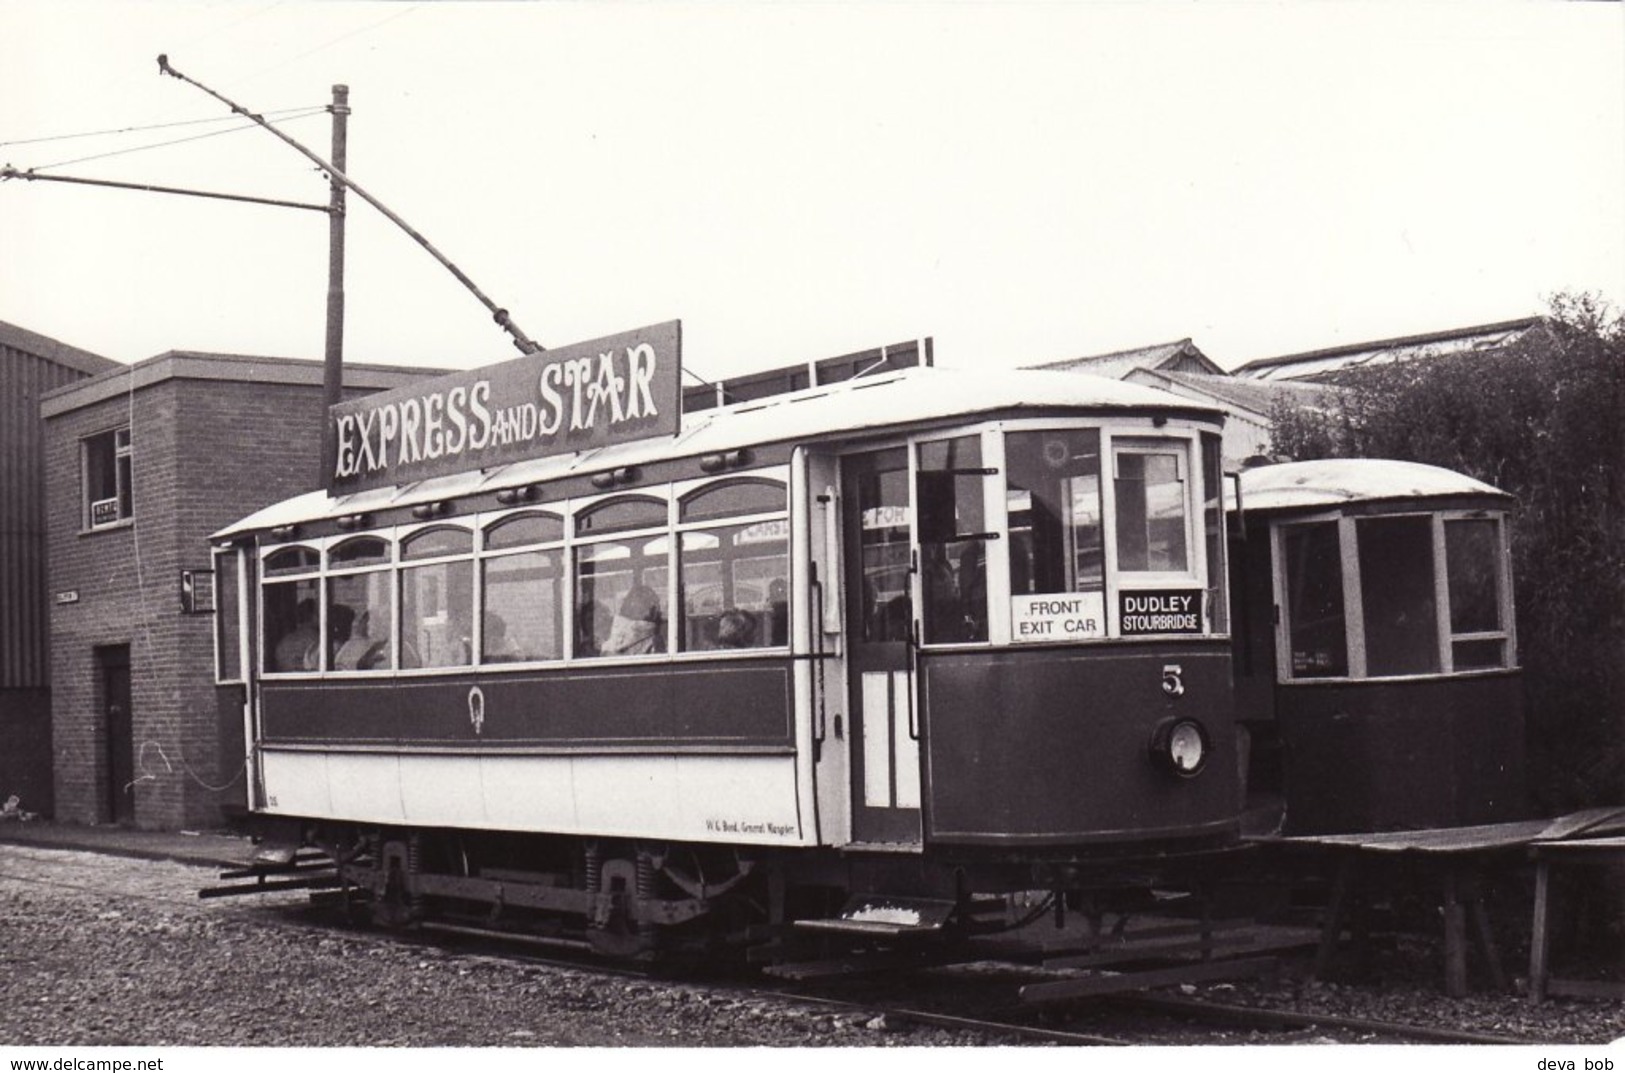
333,358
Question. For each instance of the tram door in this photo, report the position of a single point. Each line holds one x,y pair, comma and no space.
879,583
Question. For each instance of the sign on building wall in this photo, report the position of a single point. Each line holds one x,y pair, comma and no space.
611,390
197,592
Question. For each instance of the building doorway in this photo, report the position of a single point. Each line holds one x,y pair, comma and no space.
118,732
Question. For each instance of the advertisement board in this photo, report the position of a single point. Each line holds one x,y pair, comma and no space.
611,390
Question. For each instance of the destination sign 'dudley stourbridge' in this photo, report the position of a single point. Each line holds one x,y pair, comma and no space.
610,390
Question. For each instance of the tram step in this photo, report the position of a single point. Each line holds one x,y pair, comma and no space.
273,855
885,915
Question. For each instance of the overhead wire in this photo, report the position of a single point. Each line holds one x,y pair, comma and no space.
154,126
173,141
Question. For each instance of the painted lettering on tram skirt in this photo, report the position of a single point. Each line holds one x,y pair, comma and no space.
749,827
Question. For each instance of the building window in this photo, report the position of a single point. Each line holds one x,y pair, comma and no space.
106,464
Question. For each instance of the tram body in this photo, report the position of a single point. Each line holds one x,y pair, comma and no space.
920,633
1375,646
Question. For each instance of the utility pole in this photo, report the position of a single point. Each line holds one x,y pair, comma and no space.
333,359
338,184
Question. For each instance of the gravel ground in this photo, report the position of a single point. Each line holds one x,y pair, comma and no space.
1406,988
99,950
153,966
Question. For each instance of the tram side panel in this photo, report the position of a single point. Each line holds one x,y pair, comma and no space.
1394,755
697,753
1054,746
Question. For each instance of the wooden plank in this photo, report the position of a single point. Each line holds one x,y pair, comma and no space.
1455,939
1540,938
1336,910
1121,952
1486,942
1116,983
1605,989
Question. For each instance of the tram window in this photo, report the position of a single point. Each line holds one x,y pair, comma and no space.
295,560
360,613
523,602
734,584
518,530
883,520
728,499
359,551
1150,496
619,515
1213,527
620,596
953,540
437,542
1052,494
1398,595
292,631
1478,655
1314,595
437,614
227,629
1473,558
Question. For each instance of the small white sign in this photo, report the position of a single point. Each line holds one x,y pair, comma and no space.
68,596
1060,616
104,512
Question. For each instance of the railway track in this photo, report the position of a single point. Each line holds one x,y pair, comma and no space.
984,1001
980,998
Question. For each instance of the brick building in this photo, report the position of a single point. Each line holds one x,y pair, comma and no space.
142,464
30,365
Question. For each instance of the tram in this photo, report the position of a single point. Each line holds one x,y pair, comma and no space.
857,654
1375,647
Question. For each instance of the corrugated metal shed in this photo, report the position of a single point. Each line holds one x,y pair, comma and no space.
1338,359
30,365
1182,356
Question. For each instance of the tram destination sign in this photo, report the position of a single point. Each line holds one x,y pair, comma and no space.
611,390
1150,611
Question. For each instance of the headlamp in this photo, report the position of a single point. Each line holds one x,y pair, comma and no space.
1180,746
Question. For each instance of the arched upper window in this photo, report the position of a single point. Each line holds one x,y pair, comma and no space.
294,560
438,541
620,514
359,551
725,499
520,530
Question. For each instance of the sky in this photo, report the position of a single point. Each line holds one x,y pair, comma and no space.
1023,182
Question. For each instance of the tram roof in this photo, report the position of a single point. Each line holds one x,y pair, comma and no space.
1339,481
907,397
